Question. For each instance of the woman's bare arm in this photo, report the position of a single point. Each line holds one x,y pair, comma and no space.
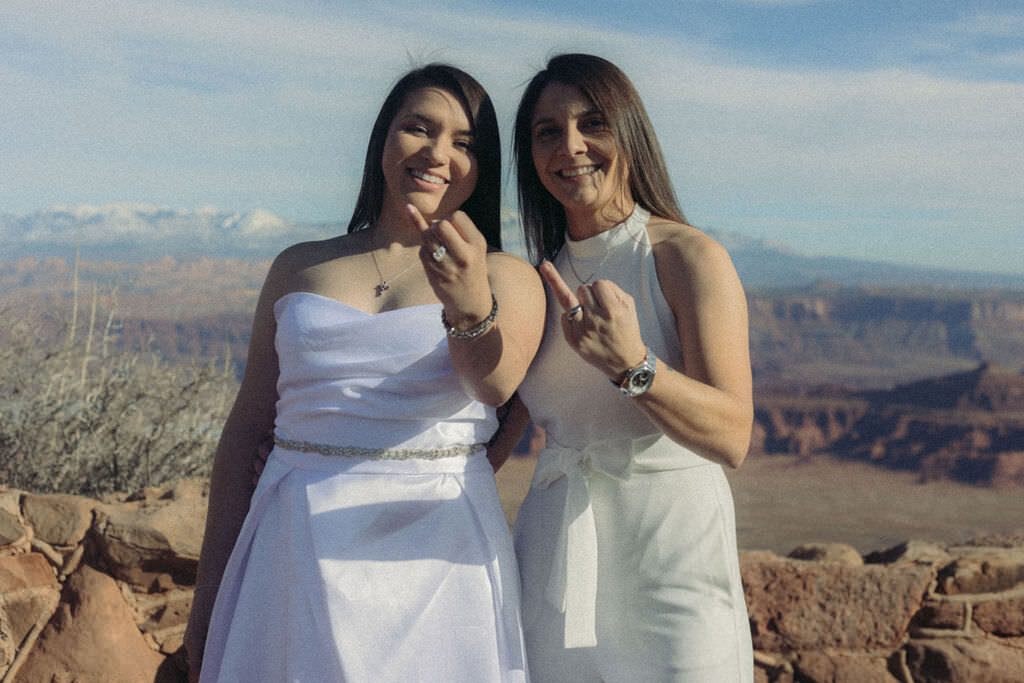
514,419
250,419
707,404
489,366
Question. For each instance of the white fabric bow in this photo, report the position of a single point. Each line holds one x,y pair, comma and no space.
572,582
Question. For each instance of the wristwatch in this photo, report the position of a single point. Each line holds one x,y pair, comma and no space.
638,379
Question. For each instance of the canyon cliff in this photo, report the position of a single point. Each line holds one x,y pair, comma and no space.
967,426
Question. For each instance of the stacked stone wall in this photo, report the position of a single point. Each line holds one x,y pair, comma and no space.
921,612
99,591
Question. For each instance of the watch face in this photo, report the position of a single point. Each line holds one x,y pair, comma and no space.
641,378
639,382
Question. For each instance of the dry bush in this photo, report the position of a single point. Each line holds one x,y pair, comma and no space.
78,417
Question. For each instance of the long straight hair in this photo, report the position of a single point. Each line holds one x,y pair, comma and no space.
483,205
612,93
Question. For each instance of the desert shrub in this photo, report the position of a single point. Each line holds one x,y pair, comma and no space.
77,416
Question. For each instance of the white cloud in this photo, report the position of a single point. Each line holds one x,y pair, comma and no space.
188,105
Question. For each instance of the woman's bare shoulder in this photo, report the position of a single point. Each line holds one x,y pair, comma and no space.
511,274
507,261
305,254
683,246
297,263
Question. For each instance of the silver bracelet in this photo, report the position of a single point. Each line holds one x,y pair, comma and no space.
477,329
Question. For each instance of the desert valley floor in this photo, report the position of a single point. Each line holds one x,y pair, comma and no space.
783,502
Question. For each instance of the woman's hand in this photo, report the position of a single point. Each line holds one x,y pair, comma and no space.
464,275
454,256
599,322
259,461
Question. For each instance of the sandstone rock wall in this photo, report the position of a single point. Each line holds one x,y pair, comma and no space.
917,612
99,592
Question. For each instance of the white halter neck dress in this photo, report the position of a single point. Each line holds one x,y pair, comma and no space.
360,568
626,541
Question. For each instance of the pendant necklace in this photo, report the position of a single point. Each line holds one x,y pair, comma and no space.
385,284
568,252
607,253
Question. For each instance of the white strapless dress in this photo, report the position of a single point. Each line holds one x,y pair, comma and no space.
626,541
363,569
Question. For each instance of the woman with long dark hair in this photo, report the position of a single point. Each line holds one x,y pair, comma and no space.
626,541
374,547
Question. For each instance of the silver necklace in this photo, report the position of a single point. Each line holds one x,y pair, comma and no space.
607,253
568,252
384,283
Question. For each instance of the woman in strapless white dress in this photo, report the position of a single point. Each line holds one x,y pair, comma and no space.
626,541
374,547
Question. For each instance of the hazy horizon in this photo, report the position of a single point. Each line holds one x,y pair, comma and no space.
126,233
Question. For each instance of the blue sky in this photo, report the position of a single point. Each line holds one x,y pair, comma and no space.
882,130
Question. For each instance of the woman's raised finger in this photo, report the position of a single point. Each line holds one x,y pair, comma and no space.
445,232
565,296
434,247
467,230
416,218
589,301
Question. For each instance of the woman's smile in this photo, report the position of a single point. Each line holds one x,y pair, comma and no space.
428,178
577,171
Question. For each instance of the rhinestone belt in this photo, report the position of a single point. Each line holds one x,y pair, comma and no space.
379,453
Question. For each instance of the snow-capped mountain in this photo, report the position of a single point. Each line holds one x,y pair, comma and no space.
131,231
134,232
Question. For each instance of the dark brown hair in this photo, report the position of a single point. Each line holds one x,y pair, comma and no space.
483,205
614,96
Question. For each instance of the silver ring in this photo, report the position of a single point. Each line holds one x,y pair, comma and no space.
439,253
575,311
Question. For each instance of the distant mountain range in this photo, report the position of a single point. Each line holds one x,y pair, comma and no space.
765,264
138,232
133,232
